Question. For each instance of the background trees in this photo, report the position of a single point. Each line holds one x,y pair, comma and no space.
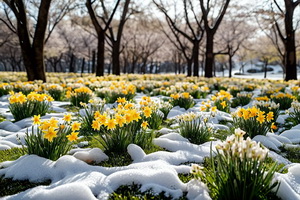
148,36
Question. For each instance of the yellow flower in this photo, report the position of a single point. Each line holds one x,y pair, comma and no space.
73,136
111,124
144,125
67,117
97,114
75,126
120,120
240,112
53,122
128,117
273,126
21,98
253,111
260,117
175,96
50,134
147,111
185,95
68,94
36,119
96,125
128,106
202,108
121,100
214,109
135,115
223,104
102,119
270,116
246,114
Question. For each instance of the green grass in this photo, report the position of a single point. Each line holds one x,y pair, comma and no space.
11,154
2,118
292,154
10,187
132,192
222,134
70,108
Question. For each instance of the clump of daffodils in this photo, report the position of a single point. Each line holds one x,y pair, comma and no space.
268,106
152,110
253,120
195,127
25,87
52,138
22,106
123,125
222,101
294,113
236,147
80,95
283,99
115,90
296,92
56,91
88,113
238,170
241,99
183,100
5,88
165,107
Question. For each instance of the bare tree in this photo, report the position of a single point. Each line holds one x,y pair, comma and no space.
101,23
193,31
32,38
287,35
115,36
212,19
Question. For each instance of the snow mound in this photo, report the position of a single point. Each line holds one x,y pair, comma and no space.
292,135
289,188
95,155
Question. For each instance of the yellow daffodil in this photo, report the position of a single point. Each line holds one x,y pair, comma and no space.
147,111
144,125
50,134
75,126
270,116
36,119
121,100
73,136
67,117
111,124
96,125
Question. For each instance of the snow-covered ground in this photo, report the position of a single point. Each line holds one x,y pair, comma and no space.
276,74
73,178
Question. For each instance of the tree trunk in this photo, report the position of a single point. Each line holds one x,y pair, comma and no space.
189,67
82,66
290,59
209,55
116,58
71,66
33,52
230,66
93,61
290,47
265,68
100,54
196,57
